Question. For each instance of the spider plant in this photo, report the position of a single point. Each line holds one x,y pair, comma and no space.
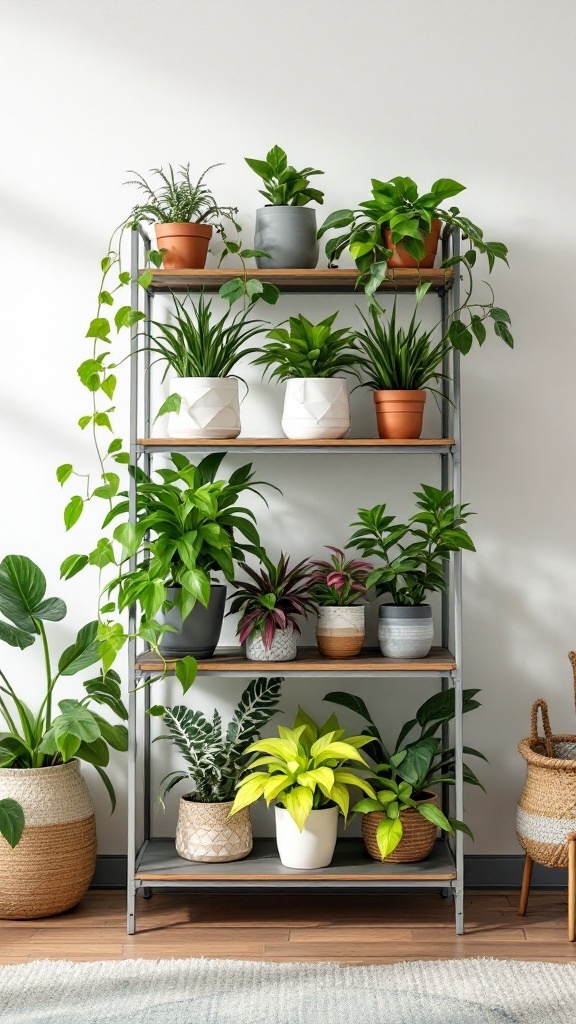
178,200
309,350
274,598
340,581
399,359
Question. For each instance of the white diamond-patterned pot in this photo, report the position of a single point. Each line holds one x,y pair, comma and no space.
340,630
313,847
405,632
209,407
204,832
316,408
283,648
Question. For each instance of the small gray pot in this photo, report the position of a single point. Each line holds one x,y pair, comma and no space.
405,632
199,634
288,235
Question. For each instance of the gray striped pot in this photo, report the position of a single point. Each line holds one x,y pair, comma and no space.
405,632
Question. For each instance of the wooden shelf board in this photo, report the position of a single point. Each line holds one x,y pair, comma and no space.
279,443
159,861
296,280
308,659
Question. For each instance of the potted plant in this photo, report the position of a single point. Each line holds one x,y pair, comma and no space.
336,587
270,606
401,822
413,556
202,350
308,358
397,227
184,213
308,771
193,528
400,365
215,761
48,844
286,226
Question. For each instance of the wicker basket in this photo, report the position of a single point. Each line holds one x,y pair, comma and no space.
52,866
418,838
547,808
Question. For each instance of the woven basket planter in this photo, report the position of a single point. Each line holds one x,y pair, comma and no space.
417,840
547,808
205,833
52,866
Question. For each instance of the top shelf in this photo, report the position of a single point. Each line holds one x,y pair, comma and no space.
296,280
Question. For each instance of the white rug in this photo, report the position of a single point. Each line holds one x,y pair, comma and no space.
230,992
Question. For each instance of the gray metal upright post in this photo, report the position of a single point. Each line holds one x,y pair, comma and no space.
132,697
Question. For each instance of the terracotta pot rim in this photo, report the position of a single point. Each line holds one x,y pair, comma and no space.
185,227
410,395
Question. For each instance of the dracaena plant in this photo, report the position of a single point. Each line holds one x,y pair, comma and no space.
272,598
305,768
412,554
45,737
339,581
283,184
396,205
309,350
398,358
215,759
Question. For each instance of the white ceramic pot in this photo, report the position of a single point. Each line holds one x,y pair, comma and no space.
311,848
405,632
340,630
283,647
205,832
316,408
209,407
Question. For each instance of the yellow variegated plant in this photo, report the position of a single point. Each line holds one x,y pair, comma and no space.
305,768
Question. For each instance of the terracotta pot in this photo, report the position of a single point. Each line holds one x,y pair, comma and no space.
418,837
186,245
401,258
399,414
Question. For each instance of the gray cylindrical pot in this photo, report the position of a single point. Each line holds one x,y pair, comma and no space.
199,634
288,235
405,632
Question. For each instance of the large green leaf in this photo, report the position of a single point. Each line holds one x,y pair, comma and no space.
106,690
83,652
11,821
415,767
14,636
74,726
388,835
115,735
22,587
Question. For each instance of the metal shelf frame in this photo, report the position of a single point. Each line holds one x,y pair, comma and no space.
141,844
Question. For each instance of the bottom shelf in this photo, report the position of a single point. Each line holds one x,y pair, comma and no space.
159,863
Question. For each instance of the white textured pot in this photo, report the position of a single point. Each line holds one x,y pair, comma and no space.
283,647
340,630
205,832
315,408
209,407
311,848
405,632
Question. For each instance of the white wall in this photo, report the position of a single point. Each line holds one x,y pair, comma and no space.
483,92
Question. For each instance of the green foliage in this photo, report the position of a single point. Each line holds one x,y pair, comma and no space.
274,598
413,554
309,350
305,769
284,185
399,359
38,740
215,758
177,199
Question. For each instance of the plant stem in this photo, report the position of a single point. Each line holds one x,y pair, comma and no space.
4,709
49,681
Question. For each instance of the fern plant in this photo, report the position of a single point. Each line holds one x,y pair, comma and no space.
179,200
310,350
216,759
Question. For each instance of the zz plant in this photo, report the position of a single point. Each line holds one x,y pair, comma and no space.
283,184
309,350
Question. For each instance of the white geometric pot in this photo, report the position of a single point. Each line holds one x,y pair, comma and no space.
405,632
311,848
205,832
315,408
209,407
283,646
340,630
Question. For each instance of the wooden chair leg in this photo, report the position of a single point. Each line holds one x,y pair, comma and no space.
526,879
572,888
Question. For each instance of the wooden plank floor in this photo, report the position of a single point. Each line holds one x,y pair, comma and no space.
364,929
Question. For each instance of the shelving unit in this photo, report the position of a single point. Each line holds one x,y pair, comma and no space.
153,862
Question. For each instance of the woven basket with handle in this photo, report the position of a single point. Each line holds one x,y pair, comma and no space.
547,808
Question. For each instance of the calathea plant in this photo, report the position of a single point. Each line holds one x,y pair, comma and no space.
45,737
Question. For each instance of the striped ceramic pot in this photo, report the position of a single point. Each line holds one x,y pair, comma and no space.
52,866
340,630
405,632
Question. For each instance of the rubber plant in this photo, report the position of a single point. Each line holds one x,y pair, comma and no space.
45,737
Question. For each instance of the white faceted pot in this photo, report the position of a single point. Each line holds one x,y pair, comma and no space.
405,632
340,630
315,408
205,832
209,407
283,646
311,848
